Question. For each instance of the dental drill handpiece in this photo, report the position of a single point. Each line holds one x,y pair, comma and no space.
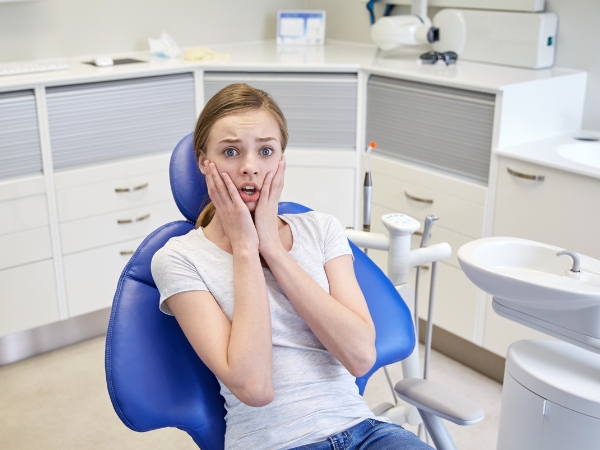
367,197
427,229
367,190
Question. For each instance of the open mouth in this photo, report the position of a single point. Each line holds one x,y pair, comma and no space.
249,193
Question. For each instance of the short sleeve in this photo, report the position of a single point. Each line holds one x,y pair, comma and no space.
174,273
335,242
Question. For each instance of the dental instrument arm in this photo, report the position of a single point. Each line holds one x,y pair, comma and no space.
417,257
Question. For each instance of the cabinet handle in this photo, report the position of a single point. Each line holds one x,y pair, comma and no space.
126,252
418,199
525,175
137,219
132,189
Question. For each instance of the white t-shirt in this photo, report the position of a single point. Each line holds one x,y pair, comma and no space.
315,396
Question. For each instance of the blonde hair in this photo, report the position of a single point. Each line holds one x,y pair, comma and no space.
233,99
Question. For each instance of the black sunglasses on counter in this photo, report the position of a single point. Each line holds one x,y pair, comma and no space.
433,57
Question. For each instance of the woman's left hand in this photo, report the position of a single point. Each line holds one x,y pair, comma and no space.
265,214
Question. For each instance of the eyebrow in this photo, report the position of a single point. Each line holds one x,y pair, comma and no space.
235,141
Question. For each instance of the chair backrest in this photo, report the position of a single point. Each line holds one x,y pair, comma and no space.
154,377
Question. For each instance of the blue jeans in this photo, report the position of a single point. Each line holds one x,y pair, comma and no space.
370,434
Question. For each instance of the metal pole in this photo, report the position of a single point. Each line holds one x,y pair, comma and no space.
430,319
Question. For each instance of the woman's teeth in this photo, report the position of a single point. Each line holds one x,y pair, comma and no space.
248,190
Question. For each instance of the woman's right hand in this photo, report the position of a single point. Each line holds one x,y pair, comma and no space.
233,212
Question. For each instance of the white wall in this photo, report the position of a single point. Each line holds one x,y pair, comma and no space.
577,40
61,28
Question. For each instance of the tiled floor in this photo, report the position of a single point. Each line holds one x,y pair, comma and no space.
59,401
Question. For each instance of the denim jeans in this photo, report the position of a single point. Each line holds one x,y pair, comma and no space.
370,434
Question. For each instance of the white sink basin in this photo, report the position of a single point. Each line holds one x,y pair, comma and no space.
587,153
533,286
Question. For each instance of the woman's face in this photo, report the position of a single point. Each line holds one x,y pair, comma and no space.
246,146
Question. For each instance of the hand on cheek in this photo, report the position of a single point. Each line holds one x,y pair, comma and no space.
233,212
265,216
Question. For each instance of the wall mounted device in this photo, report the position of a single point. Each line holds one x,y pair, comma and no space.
507,38
496,5
405,30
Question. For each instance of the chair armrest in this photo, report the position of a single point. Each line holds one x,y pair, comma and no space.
439,401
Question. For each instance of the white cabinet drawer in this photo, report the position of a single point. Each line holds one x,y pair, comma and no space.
455,213
27,297
561,210
23,214
113,195
22,187
117,170
437,181
25,247
103,230
92,276
417,192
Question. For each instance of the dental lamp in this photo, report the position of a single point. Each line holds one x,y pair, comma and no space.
391,32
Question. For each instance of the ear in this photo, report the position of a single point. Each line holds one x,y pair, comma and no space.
201,160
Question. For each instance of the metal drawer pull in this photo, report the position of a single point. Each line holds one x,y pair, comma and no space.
137,219
418,199
525,175
132,189
126,252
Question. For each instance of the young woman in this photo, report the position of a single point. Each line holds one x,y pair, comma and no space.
271,303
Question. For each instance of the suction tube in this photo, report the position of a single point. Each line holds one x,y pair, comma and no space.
367,190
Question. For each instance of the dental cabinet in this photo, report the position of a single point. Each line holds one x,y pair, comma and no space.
90,150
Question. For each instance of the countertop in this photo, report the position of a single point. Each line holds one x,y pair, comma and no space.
544,153
267,56
341,57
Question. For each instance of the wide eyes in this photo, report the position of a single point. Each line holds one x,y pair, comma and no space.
265,151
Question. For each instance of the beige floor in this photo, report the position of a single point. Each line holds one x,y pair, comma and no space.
59,401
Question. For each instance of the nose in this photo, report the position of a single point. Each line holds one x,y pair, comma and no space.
249,165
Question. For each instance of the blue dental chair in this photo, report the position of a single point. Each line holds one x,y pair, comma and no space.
154,377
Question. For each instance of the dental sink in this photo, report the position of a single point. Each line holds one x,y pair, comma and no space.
587,153
533,286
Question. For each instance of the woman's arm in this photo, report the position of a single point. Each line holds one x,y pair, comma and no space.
238,353
341,319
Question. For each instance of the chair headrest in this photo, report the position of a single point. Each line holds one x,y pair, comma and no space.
187,182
